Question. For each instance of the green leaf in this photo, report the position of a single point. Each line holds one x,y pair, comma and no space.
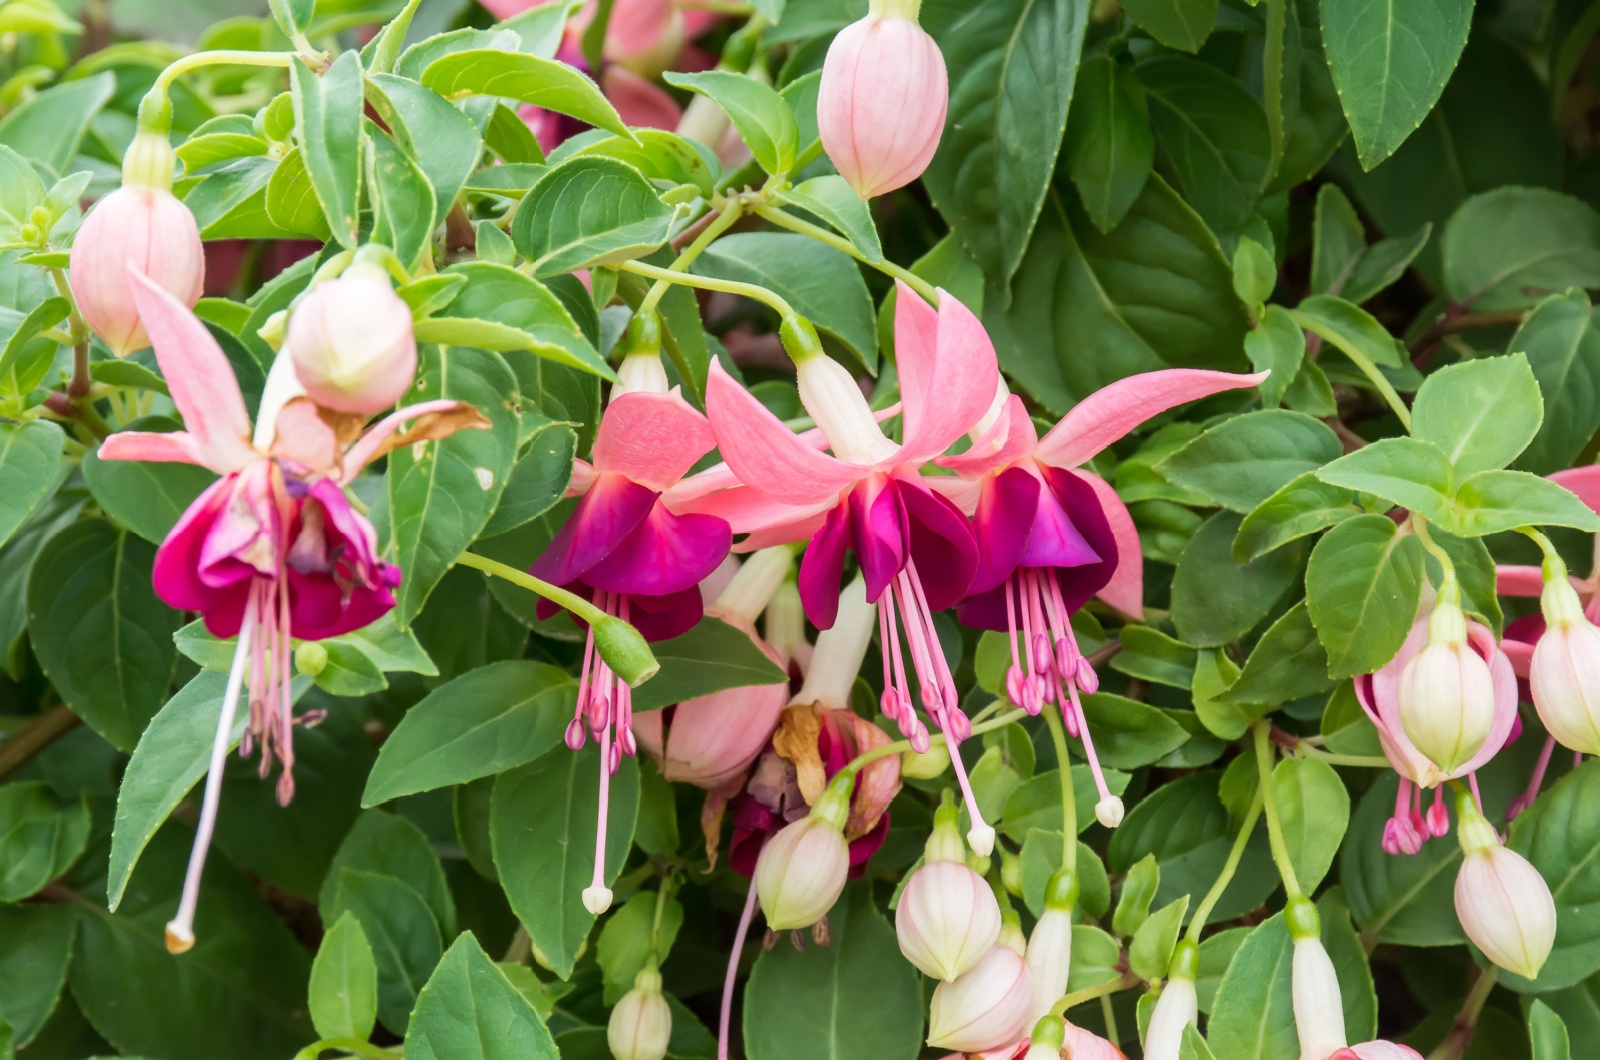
624,946
1152,655
172,754
833,200
1217,600
1303,506
1362,589
1186,828
1214,135
1492,501
1214,671
1559,834
1109,147
469,1010
293,16
545,83
486,721
808,1003
1411,473
1508,248
1095,957
1013,64
1153,942
1562,345
1245,459
1338,241
30,465
344,983
1036,803
711,657
441,498
147,498
399,927
1315,810
99,630
35,948
538,481
1547,1034
1138,891
327,120
659,155
24,362
291,200
824,285
1405,900
20,191
1128,734
50,126
387,844
1255,273
589,211
403,200
1349,327
1390,62
441,141
1180,24
1277,345
763,119
39,838
504,310
1482,413
1155,292
542,823
1193,1046
1288,662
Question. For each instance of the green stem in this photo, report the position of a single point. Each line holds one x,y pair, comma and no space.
1280,850
748,290
41,733
1089,993
1109,1014
1455,1043
724,220
1202,914
1355,761
1538,538
155,109
1069,803
936,740
1419,526
1361,361
794,224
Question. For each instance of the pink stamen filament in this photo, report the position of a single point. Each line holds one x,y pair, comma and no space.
604,703
1523,801
1075,719
725,1020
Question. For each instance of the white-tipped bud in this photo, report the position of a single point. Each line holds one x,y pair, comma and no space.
986,1008
1050,958
839,408
947,919
641,1023
1108,811
1446,691
980,837
1502,901
1318,1008
802,869
352,343
1176,1008
1565,670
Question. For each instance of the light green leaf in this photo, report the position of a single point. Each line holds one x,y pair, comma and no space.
1245,459
344,983
49,127
20,191
400,928
545,83
589,211
1482,413
504,310
833,200
1277,345
1349,327
30,465
1315,810
1303,506
1362,589
1547,1034
1411,473
469,1010
624,946
1492,501
1152,944
441,140
327,118
764,120
403,200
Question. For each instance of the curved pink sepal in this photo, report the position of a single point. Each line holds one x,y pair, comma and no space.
178,447
948,372
372,443
1125,590
1111,412
766,455
653,439
1010,437
1516,580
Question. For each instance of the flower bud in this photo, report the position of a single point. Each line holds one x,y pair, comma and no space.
987,1007
882,100
841,411
1109,811
1377,1051
142,226
641,1023
947,917
801,870
1565,670
1050,946
1318,1009
352,344
1504,905
1446,691
1176,1008
1047,1039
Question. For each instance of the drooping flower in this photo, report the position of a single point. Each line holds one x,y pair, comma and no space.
1318,999
273,550
640,1026
1050,946
1502,901
351,341
947,917
914,547
1051,534
625,549
141,226
882,99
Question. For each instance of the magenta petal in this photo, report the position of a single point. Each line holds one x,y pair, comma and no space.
664,617
610,510
1077,497
1056,541
985,610
663,554
822,567
942,543
878,533
1007,505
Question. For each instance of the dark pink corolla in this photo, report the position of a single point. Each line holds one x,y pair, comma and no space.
627,550
1051,535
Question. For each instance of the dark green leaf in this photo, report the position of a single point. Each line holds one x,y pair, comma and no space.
386,844
1109,146
589,211
709,658
40,838
1288,662
1403,900
35,947
1563,348
1246,459
327,117
538,480
401,930
403,200
469,1010
1560,835
30,459
1508,248
1349,327
145,497
1217,600
1181,24
1128,734
440,139
505,310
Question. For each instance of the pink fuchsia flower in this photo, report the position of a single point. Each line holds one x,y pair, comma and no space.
141,226
1051,535
272,550
882,100
1502,901
351,341
914,547
625,549
1376,1051
1379,695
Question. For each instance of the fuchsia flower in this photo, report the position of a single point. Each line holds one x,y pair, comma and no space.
273,550
634,557
1051,535
915,548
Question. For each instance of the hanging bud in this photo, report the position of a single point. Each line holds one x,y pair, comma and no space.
987,1007
1050,945
1565,670
1176,1008
641,370
1446,691
882,100
141,226
801,870
947,917
351,342
1318,1008
835,401
1504,905
1047,1039
1108,811
641,1023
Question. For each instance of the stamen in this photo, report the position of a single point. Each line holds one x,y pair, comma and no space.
725,1020
1523,801
597,896
180,929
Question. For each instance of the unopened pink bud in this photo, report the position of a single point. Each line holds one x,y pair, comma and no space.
714,738
801,871
352,344
947,919
1447,695
142,226
1049,958
1504,905
883,97
989,1006
1079,1044
641,1023
1565,677
1377,1051
1176,1008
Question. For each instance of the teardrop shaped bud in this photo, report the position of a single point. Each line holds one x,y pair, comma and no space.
1318,1010
1502,901
947,919
1176,1008
1050,958
1565,670
987,1007
351,341
1447,692
801,870
641,1023
883,97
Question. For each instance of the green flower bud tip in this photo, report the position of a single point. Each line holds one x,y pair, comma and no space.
624,649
